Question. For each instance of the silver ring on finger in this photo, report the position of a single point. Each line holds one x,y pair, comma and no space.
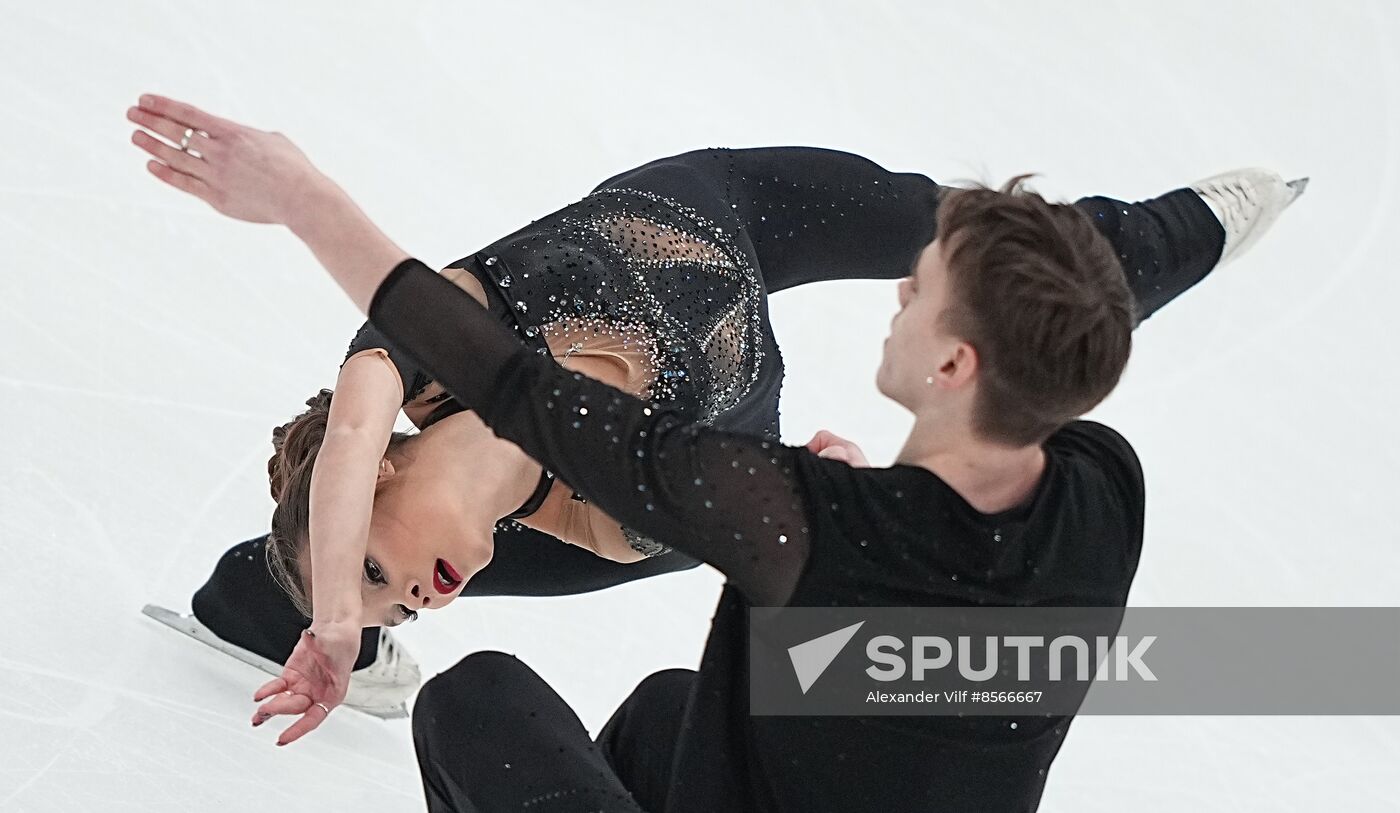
190,132
323,708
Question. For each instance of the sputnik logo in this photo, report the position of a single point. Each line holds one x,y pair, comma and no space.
810,659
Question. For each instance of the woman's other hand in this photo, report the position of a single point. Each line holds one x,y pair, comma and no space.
243,172
314,680
834,447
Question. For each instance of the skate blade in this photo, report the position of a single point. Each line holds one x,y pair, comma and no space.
399,712
190,626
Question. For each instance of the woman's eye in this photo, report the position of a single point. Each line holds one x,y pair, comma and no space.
408,614
372,572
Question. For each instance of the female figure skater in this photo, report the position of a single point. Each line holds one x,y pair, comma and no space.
656,284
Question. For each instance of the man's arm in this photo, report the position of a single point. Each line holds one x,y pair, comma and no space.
729,500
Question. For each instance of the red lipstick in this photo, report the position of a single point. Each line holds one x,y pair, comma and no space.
445,577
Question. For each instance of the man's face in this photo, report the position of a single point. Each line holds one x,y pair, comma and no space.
918,346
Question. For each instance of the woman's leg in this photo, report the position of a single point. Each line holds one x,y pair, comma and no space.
813,215
242,604
1166,244
492,735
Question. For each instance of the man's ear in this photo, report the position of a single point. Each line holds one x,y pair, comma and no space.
959,368
386,470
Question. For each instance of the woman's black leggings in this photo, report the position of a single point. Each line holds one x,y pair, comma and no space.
876,221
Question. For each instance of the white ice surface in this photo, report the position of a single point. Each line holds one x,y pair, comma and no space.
151,343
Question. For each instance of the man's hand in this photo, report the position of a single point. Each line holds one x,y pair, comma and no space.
834,447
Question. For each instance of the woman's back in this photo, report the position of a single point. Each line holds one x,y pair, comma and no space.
635,276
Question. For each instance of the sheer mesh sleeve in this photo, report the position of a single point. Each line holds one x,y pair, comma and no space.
726,499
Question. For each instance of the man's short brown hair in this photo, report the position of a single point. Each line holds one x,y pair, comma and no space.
1040,294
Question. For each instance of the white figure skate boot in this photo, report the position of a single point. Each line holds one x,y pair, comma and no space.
1247,202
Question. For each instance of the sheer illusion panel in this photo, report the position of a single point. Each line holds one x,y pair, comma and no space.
726,499
725,347
810,214
630,346
726,334
648,243
719,324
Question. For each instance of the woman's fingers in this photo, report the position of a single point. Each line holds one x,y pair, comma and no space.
165,127
283,704
168,155
181,181
187,115
308,722
268,689
172,131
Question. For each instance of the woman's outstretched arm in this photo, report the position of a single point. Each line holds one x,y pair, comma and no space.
316,675
261,177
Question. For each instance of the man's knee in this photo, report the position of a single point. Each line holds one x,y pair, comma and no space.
481,681
655,707
664,686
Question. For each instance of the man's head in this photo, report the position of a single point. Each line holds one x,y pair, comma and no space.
1016,319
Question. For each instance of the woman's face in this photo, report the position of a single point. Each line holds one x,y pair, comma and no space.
421,551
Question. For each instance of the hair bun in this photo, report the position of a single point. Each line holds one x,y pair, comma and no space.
296,442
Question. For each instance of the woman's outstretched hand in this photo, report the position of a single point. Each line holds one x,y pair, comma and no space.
314,679
243,172
833,446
